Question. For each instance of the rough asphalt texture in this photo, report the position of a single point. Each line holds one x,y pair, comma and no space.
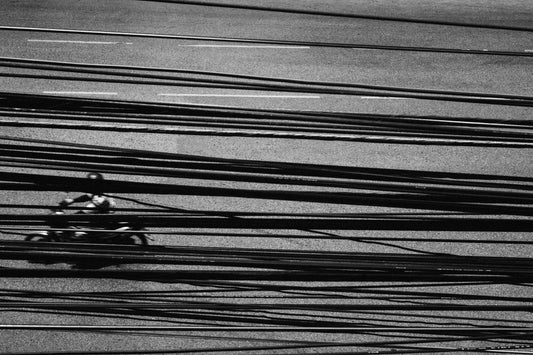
416,70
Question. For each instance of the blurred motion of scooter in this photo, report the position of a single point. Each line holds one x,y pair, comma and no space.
63,232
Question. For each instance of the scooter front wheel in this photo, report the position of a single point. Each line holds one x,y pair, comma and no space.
130,239
139,239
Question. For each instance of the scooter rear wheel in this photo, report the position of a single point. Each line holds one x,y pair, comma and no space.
37,238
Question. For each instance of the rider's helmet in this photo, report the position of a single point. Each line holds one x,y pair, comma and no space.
95,183
95,176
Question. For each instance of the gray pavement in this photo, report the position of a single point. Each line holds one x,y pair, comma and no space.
403,69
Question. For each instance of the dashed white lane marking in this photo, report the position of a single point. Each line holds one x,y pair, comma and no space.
528,50
75,42
246,96
241,46
80,92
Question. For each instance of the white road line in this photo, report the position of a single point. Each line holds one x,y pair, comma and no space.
80,92
74,42
241,46
528,50
382,98
247,96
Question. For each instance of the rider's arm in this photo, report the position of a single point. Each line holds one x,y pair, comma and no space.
69,201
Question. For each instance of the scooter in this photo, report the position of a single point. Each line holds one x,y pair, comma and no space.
72,234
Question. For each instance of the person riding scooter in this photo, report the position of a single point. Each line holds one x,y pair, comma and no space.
116,232
98,203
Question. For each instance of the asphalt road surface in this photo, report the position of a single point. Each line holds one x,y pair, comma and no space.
299,60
